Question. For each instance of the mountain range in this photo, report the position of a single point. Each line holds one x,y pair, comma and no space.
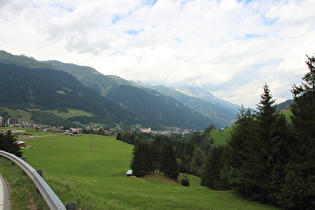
108,99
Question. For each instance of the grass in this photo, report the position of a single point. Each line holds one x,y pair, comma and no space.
25,116
23,194
97,180
220,137
21,115
288,115
70,113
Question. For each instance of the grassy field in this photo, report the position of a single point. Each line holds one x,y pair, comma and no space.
288,115
220,137
94,177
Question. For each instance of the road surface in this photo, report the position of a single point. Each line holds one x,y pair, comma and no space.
4,195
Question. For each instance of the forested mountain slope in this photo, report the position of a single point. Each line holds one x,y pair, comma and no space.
157,107
47,89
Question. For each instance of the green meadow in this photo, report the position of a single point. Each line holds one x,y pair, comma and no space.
220,137
91,170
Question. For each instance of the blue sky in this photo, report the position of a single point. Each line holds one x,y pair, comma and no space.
228,47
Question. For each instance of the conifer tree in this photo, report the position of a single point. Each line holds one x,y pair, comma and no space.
168,162
142,160
242,133
304,118
8,144
267,151
256,144
212,174
298,189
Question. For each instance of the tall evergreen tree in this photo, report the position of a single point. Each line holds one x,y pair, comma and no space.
168,162
8,144
268,155
304,118
212,174
243,132
142,160
298,189
259,161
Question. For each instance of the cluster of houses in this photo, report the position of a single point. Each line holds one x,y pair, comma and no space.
166,132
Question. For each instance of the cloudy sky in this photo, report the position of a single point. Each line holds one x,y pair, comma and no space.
229,47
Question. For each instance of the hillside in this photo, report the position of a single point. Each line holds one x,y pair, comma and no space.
104,84
157,107
89,76
141,101
47,89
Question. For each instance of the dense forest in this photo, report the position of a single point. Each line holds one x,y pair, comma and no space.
266,159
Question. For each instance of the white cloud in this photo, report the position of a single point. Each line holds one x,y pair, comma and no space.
229,47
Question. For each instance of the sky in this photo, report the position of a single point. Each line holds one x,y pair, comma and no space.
228,47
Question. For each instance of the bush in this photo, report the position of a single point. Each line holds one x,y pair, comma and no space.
185,182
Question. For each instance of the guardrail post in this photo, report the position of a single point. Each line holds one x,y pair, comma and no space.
40,172
71,206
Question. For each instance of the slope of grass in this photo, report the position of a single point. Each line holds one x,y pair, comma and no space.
94,177
288,115
220,137
70,113
23,193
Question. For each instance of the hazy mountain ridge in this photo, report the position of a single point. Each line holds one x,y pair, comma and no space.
199,93
220,115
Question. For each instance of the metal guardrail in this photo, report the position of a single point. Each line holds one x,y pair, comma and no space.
50,197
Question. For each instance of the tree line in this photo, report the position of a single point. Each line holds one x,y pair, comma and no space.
266,158
190,151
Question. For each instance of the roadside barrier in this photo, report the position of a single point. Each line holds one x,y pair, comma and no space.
49,196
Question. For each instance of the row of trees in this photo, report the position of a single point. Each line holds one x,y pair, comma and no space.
267,159
190,157
156,157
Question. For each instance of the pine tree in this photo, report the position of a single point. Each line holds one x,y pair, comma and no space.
304,118
142,160
212,174
241,135
8,144
168,162
298,189
267,151
256,146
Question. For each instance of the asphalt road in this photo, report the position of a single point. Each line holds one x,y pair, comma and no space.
4,195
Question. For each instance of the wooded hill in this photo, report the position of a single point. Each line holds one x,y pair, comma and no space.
39,90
